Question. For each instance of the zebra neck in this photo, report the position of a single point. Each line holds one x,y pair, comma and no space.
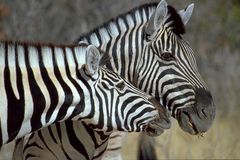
39,86
122,38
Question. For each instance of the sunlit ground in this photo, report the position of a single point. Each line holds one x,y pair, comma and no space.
222,141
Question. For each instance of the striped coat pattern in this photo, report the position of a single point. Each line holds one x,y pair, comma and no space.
43,83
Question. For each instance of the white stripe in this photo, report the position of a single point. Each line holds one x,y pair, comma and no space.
48,63
3,102
94,39
104,37
112,29
28,110
12,69
72,68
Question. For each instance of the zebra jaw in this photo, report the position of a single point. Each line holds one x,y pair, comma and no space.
156,127
160,122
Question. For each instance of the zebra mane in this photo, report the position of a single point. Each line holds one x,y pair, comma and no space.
114,20
104,59
41,44
176,21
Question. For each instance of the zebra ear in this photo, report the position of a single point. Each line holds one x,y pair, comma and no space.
186,13
157,18
92,60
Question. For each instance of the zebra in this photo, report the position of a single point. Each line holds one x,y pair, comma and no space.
41,84
147,49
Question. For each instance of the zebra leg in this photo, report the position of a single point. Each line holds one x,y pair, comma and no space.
146,148
114,148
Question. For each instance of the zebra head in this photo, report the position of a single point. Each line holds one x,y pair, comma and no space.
172,65
117,104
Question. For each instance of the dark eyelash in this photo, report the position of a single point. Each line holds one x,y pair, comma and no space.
167,56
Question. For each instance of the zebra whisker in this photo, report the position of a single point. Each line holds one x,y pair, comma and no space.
200,135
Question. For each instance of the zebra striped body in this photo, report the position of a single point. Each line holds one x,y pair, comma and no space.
147,49
47,143
43,84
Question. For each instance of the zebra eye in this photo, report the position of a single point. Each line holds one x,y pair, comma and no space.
147,36
167,56
121,85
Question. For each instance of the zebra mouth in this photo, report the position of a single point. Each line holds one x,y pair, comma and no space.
186,122
153,129
157,126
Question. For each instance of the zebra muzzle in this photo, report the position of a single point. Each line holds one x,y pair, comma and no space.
157,126
161,122
153,130
163,118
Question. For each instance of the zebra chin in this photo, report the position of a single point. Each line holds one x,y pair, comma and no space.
161,122
198,118
157,127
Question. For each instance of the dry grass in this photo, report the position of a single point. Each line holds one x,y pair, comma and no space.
63,21
220,142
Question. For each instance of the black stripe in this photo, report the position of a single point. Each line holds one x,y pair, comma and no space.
172,81
48,82
30,145
145,7
114,149
68,93
126,103
142,122
58,129
182,96
37,95
180,105
142,67
114,49
150,72
28,156
122,49
100,153
65,153
117,117
107,51
166,72
101,100
46,143
138,48
16,107
99,38
74,141
164,97
139,115
81,106
91,133
51,132
59,126
153,76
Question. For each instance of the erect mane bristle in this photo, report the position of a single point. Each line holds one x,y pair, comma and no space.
39,43
176,21
114,19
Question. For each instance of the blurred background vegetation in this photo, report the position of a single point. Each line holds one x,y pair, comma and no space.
213,32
